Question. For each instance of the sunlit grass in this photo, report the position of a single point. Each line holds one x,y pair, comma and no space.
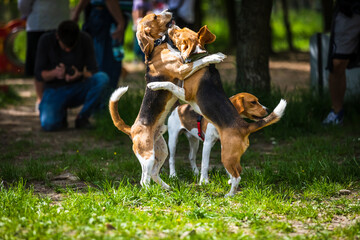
304,23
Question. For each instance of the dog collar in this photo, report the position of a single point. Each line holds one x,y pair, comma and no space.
164,39
159,41
195,57
199,127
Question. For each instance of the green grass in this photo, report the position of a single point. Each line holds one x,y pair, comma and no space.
8,96
304,23
291,193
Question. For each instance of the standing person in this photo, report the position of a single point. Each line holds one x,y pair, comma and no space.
344,49
106,22
183,12
41,16
139,10
66,64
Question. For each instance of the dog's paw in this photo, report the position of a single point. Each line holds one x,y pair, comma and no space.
214,58
203,181
229,195
220,55
280,108
156,86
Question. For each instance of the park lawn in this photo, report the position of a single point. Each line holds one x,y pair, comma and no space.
293,190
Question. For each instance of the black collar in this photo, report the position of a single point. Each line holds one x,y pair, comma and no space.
164,39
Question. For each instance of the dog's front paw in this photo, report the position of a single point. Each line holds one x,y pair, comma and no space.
215,58
220,55
155,86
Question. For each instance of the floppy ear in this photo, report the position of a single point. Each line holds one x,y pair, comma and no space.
205,36
146,42
238,103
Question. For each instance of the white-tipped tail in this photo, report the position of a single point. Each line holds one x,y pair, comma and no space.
116,95
280,108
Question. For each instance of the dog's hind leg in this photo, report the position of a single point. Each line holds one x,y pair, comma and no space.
174,128
161,152
194,146
211,137
232,148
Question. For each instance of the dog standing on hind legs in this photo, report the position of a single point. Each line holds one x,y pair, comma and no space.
164,64
233,132
204,92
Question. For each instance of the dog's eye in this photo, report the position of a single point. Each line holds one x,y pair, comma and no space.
155,17
253,102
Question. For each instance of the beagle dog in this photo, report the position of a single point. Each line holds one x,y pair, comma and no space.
183,119
203,91
164,64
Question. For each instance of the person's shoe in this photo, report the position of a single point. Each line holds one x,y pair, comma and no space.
333,118
82,123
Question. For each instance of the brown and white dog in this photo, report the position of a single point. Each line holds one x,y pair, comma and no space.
164,64
204,92
184,119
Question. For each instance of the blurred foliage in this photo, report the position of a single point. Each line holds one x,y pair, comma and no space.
8,96
304,22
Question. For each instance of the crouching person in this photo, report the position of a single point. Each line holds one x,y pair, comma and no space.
65,62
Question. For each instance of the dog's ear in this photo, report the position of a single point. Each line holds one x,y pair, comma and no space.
146,42
238,103
205,36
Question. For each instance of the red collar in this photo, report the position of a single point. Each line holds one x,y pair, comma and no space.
199,127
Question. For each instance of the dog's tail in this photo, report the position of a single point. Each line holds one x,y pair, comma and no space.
114,112
272,118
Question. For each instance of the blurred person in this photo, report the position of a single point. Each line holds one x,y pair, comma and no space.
41,16
106,21
66,64
139,10
343,53
183,12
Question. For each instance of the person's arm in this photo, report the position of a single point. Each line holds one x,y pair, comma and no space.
91,66
57,73
78,9
115,10
43,71
25,7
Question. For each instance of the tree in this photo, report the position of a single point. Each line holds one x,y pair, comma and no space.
253,48
327,10
289,36
231,18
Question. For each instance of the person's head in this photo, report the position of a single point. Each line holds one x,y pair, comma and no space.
68,34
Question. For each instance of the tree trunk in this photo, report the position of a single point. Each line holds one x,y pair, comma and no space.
327,11
231,18
198,15
253,37
289,37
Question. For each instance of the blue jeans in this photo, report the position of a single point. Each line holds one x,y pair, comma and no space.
56,101
98,25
